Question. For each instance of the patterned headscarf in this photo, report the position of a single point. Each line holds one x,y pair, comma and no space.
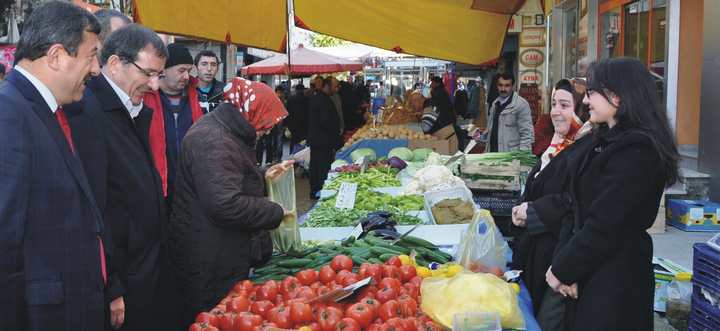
257,103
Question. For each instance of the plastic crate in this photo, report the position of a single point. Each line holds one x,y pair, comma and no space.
703,316
706,267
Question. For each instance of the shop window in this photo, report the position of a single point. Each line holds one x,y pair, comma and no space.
610,33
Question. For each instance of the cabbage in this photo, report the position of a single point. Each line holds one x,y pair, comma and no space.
360,152
402,153
421,154
338,163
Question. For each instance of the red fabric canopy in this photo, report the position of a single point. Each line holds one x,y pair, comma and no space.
303,61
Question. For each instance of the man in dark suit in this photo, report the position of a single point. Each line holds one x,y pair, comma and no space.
112,135
52,260
323,134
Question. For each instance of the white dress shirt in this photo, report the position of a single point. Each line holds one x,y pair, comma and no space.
41,87
134,110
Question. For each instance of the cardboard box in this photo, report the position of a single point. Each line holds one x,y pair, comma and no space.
447,143
693,215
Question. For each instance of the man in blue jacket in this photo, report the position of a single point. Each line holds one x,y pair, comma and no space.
52,260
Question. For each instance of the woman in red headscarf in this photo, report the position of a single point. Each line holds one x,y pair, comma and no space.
220,219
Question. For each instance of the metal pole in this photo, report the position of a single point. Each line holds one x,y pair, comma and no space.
289,24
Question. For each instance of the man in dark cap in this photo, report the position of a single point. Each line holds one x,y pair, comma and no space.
176,107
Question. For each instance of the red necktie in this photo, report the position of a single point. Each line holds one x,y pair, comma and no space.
65,126
60,115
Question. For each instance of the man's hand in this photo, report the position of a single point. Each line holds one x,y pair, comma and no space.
557,286
117,313
519,215
277,170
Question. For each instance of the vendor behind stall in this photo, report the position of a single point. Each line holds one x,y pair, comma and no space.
441,113
219,226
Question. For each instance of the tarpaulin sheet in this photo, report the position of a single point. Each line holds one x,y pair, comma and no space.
255,23
448,30
304,61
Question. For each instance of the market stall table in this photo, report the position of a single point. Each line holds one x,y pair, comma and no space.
444,236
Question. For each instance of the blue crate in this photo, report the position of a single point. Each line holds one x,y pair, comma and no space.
703,316
497,204
706,267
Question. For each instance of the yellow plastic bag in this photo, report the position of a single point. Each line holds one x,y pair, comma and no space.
442,298
281,190
482,247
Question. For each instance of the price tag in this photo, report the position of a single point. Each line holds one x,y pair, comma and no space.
356,231
346,196
697,213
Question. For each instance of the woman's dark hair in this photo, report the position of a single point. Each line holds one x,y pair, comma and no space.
580,108
639,107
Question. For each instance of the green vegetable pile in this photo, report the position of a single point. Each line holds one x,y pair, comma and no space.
526,158
370,249
326,215
376,177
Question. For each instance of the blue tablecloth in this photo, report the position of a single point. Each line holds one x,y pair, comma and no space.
381,147
525,303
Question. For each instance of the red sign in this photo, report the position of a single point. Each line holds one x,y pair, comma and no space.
530,77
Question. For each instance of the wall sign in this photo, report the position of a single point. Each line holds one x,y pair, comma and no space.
532,57
531,77
532,37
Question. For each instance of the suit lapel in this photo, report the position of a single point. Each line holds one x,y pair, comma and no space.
47,117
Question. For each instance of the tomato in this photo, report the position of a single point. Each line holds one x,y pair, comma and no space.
394,261
391,271
281,317
374,327
300,313
268,291
202,327
350,279
368,292
307,276
227,322
341,262
314,326
238,304
407,272
329,317
261,308
391,282
408,306
428,326
288,286
327,274
266,326
341,275
363,270
386,294
373,304
204,317
397,324
389,327
306,293
410,323
316,285
245,285
361,313
412,290
347,324
247,321
389,310
417,280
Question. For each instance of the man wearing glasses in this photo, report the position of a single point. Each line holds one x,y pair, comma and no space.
176,107
112,142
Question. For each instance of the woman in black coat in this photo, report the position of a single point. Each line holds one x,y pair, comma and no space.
220,219
542,212
604,257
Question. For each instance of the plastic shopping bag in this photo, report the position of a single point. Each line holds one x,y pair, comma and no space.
467,292
482,246
281,190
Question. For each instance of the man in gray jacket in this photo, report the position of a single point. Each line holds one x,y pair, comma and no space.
510,124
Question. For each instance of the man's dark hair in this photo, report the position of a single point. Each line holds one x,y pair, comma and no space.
507,76
327,81
105,17
54,23
129,40
206,53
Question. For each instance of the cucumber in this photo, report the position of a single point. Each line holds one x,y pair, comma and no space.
263,279
361,243
377,242
357,259
375,260
377,250
295,263
385,257
432,255
418,242
349,241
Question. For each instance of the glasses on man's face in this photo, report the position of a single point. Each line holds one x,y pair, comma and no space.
149,73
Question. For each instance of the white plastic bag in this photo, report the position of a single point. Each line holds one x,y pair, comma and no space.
281,190
482,247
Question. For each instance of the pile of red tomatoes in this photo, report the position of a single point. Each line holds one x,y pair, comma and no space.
389,303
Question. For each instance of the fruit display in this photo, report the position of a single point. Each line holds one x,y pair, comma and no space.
386,132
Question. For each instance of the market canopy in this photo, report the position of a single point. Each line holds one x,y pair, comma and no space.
467,31
304,61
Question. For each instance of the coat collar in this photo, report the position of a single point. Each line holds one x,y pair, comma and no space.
229,116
